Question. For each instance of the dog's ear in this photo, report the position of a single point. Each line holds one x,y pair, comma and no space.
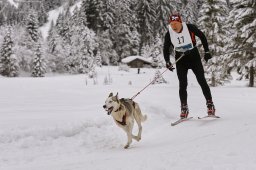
110,95
115,98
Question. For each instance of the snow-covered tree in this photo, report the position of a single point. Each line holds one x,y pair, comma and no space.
243,40
146,51
134,42
217,73
38,64
51,39
155,57
83,44
213,15
8,61
156,52
27,40
121,32
56,50
212,19
79,17
189,10
108,14
32,25
63,27
146,18
98,60
94,10
163,10
23,54
105,48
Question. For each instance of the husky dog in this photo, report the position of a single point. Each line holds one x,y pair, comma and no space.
124,111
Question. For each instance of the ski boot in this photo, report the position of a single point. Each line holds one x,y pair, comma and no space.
184,111
210,108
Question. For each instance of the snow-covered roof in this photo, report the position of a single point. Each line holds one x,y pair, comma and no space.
131,58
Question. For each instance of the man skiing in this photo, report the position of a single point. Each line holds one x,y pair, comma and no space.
180,38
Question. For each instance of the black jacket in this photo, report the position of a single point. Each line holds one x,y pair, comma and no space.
194,31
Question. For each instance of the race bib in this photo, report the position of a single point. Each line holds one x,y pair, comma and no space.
182,41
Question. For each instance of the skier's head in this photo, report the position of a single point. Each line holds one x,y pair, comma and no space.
175,22
175,17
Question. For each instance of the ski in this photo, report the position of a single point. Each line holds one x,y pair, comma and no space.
209,116
180,120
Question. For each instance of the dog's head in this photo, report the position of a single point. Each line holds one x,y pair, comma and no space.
111,103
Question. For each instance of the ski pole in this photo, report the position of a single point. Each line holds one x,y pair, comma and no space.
157,77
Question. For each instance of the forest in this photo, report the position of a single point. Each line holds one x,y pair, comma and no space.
92,33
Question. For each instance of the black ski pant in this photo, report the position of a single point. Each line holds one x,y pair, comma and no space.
198,70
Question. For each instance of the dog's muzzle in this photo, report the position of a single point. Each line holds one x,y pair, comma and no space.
109,110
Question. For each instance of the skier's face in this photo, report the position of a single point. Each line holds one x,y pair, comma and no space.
176,26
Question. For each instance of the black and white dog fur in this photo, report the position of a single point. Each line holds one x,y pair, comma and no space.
124,111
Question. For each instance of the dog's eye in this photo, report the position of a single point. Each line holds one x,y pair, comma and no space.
110,101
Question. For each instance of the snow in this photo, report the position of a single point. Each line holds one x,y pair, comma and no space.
58,123
52,17
13,3
76,5
131,58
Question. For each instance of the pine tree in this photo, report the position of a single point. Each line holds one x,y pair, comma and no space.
32,25
38,65
94,10
122,30
21,50
51,38
98,60
156,52
243,40
108,14
42,13
29,40
106,48
155,57
134,42
146,18
189,11
8,62
212,19
56,50
163,11
63,28
83,43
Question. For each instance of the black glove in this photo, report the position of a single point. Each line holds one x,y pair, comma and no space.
169,66
207,56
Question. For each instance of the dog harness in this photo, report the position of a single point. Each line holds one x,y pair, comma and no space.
125,102
123,119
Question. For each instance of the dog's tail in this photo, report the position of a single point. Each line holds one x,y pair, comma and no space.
139,113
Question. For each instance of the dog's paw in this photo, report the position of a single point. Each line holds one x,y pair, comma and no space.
126,146
137,138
